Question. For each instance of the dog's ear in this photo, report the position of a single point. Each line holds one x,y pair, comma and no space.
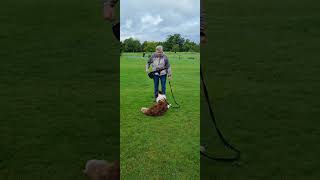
159,92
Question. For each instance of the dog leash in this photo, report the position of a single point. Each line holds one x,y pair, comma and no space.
174,99
227,145
151,75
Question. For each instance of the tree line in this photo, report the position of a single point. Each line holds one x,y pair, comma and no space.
173,43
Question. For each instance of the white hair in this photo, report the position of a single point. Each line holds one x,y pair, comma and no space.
161,97
159,48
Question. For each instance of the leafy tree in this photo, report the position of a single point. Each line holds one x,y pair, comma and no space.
121,46
143,45
150,46
175,39
175,43
131,45
175,48
190,46
195,48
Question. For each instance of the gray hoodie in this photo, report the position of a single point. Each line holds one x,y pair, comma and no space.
157,63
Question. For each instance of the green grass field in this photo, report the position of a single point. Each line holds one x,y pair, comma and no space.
164,147
262,62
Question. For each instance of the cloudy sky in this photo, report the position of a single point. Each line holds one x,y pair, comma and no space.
154,20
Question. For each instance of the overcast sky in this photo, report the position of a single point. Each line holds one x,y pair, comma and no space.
154,20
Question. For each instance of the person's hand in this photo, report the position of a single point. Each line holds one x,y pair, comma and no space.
169,77
108,13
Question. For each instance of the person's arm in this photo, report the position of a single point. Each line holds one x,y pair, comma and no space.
148,63
167,66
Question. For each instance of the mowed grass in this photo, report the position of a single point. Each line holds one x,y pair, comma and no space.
164,147
262,64
59,95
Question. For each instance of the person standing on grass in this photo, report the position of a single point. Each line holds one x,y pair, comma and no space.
160,65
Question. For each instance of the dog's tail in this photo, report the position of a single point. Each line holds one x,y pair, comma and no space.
144,110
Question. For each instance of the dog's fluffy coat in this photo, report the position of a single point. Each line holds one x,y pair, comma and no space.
157,109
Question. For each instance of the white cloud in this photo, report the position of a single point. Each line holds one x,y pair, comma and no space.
155,20
128,24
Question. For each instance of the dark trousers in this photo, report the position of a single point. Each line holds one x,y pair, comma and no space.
163,80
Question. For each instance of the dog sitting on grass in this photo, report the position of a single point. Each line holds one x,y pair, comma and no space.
102,170
159,108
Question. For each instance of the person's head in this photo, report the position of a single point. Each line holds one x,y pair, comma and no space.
159,50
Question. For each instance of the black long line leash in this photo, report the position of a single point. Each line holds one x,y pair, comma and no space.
174,99
151,76
236,156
